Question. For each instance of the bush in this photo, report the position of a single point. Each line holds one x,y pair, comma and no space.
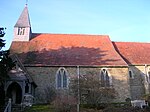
113,107
64,103
125,109
93,106
50,93
146,97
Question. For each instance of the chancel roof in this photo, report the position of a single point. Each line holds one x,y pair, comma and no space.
134,53
67,49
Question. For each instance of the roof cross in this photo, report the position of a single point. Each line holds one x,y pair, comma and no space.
26,2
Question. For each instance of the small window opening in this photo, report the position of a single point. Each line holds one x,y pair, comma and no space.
131,74
21,31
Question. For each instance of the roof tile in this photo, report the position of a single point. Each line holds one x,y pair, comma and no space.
134,53
68,49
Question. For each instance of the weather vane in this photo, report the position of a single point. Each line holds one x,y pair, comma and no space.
26,2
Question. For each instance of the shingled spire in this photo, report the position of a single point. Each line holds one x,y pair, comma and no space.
22,29
24,20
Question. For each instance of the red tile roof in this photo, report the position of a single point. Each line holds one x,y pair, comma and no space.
134,53
68,49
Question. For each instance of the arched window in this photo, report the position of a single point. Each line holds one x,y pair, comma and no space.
64,80
61,78
102,79
105,80
131,75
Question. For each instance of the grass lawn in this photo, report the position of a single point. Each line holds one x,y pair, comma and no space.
50,108
40,108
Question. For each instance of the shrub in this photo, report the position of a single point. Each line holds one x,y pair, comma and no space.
146,97
50,93
124,109
64,103
94,106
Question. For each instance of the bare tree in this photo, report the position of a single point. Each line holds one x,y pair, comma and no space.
91,91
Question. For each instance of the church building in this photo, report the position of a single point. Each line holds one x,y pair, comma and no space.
46,59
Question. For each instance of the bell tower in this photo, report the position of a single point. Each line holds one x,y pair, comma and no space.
22,29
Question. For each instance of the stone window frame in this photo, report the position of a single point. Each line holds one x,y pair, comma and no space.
21,31
106,75
62,72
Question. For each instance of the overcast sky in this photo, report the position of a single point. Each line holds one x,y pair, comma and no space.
122,20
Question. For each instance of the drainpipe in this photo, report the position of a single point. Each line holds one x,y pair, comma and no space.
78,104
146,80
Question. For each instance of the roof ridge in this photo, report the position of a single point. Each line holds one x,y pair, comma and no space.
131,42
70,34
